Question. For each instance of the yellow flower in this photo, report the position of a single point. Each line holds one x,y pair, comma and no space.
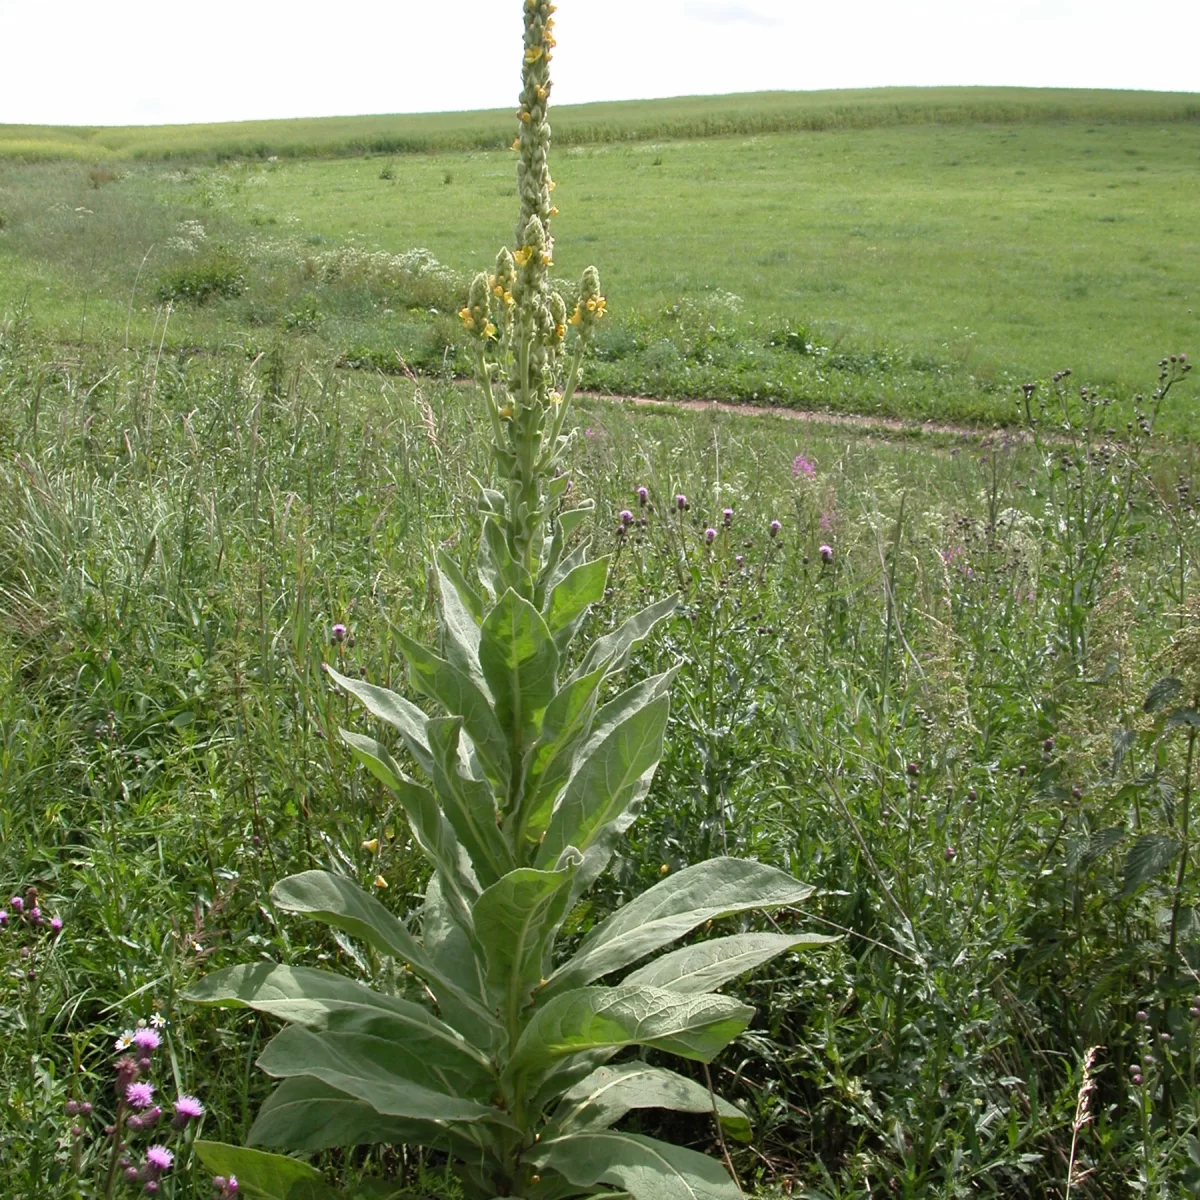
521,257
556,397
576,317
552,185
525,116
506,411
467,319
541,93
548,41
591,304
553,211
489,330
547,261
664,869
560,332
372,845
533,54
380,882
497,289
516,144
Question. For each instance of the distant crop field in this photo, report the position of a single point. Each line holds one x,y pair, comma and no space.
905,264
637,120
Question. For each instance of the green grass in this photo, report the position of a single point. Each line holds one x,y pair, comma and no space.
179,532
915,271
635,120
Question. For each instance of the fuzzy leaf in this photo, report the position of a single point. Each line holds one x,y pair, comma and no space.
598,1018
645,1167
606,783
460,961
612,650
572,596
460,631
469,803
471,600
430,829
307,1115
393,1067
263,1176
1148,857
674,907
608,1093
401,714
460,697
1184,717
566,722
520,664
707,965
515,919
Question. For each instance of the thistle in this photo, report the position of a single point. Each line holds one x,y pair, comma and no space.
517,793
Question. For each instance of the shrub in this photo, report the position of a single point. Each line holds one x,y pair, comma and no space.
220,274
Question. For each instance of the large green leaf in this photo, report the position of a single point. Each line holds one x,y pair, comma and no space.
307,1115
608,1093
323,1000
572,596
707,965
300,994
520,664
469,803
401,714
607,782
460,631
263,1176
645,1167
431,831
339,902
674,907
468,597
515,919
565,724
598,1018
461,961
392,1067
460,697
612,650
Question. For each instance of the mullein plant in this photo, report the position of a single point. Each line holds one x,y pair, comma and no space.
509,1060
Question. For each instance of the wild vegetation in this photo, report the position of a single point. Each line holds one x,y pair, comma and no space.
949,683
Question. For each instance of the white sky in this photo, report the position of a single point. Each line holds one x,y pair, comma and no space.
140,62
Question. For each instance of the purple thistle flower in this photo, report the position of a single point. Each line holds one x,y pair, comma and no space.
338,633
774,529
802,466
739,559
626,517
140,1095
643,496
187,1108
17,904
159,1159
35,915
727,517
56,924
3,919
710,535
680,503
146,1039
826,553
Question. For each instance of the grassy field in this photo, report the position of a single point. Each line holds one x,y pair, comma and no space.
178,535
914,270
637,120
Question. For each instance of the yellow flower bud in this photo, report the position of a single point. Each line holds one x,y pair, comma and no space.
380,882
533,54
521,257
372,845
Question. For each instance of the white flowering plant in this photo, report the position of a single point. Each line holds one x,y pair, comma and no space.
534,766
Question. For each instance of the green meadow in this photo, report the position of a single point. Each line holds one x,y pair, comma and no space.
951,678
919,260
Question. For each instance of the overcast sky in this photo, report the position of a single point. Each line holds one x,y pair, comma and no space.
139,62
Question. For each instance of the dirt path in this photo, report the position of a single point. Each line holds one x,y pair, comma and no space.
851,420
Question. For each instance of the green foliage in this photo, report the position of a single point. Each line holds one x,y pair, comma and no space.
220,274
